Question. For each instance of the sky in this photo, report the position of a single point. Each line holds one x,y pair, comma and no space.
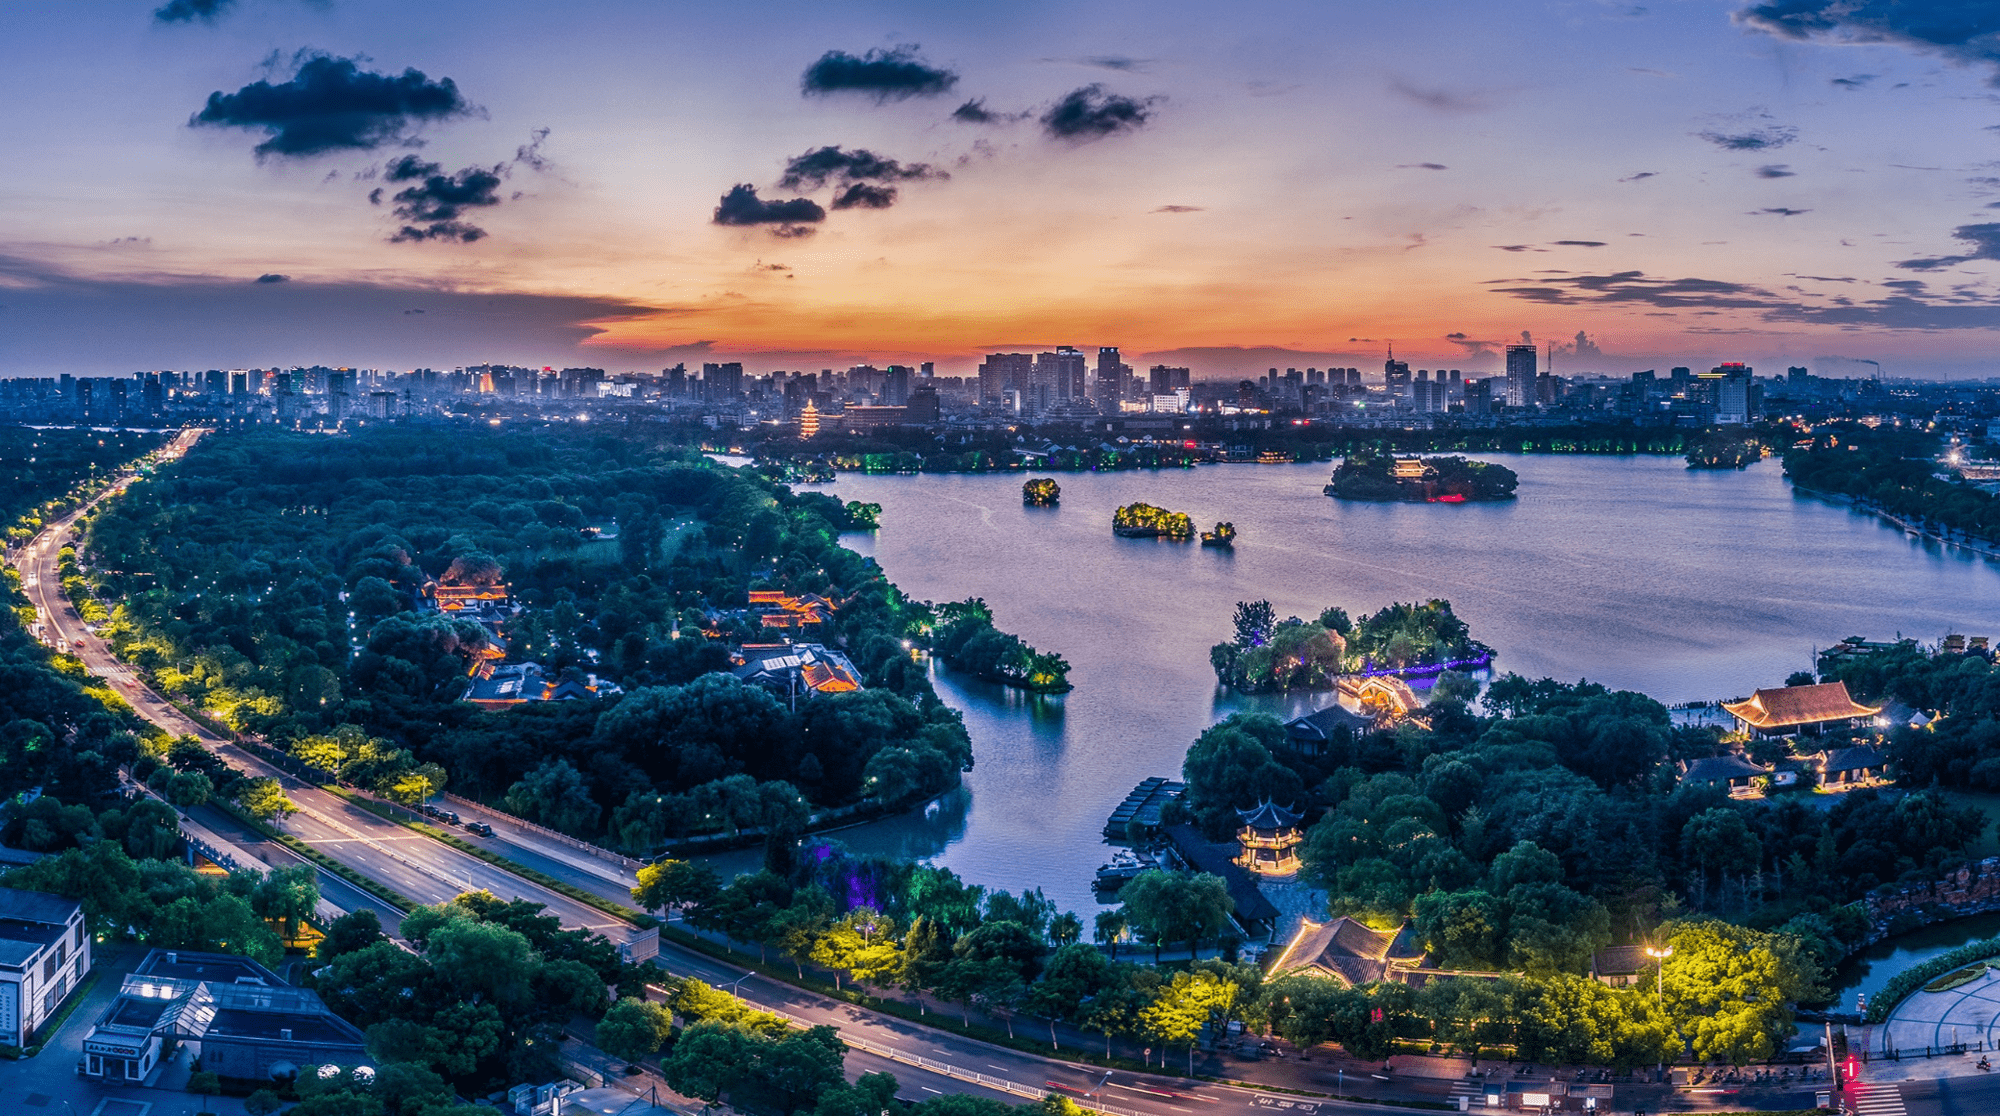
630,184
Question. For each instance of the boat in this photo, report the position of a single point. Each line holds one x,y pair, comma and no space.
1125,864
1223,536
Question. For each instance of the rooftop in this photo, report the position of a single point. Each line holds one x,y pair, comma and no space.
1789,706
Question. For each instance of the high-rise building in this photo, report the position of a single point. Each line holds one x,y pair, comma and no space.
1734,397
1001,373
896,385
721,383
1165,380
1396,377
1521,367
1112,372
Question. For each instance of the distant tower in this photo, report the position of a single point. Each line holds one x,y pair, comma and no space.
808,421
1521,375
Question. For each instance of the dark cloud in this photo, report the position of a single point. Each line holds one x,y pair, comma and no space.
1855,82
886,75
821,165
272,277
332,104
741,207
1118,62
1090,113
1911,307
1442,100
976,112
530,154
187,11
1421,166
1519,248
1640,177
1581,243
225,321
1775,170
1965,31
1782,211
865,195
432,208
1755,139
1179,209
1471,345
1985,241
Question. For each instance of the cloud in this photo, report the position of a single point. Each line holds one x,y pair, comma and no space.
225,321
789,217
1781,211
1985,241
1090,113
332,104
821,165
1118,62
1580,243
530,154
976,112
1775,170
1961,30
865,195
1640,177
1472,346
1583,346
1911,307
432,208
1756,139
1421,166
1855,82
1441,100
272,277
886,75
187,11
1519,248
1180,209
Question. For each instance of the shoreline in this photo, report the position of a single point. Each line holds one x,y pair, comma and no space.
1984,550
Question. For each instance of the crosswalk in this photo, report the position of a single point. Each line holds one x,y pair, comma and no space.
1873,1098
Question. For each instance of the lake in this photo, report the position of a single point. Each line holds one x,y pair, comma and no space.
1630,571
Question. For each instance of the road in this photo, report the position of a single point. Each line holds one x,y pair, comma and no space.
425,870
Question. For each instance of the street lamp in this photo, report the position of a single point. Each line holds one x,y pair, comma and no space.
1660,987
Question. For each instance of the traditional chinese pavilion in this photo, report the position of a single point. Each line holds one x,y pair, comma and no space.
1268,840
1794,709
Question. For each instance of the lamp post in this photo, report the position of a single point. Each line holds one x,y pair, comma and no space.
1660,955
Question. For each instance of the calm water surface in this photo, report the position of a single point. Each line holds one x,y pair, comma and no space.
1633,572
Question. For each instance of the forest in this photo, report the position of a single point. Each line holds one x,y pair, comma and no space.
1366,474
276,581
40,468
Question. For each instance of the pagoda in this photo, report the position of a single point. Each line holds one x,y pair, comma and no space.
1267,839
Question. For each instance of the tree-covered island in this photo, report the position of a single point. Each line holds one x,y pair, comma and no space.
1041,492
1144,521
1380,476
1267,655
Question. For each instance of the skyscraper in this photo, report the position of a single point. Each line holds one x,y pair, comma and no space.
1001,373
1521,375
1112,372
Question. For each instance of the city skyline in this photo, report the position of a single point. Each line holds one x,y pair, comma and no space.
276,182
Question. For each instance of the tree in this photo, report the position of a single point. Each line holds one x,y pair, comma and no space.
482,959
1065,928
675,884
633,1029
262,798
287,896
1108,927
263,1102
1729,989
1175,907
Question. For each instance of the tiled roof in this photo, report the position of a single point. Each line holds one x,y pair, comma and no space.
1269,815
1799,705
1852,759
1721,769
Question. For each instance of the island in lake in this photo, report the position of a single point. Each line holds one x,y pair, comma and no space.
1223,536
1267,655
1384,477
1144,521
1041,492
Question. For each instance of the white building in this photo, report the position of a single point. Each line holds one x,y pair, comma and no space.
44,955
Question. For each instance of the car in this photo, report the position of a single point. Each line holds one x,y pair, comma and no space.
481,828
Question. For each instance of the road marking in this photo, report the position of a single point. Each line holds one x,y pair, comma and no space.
1002,1069
1878,1099
928,1089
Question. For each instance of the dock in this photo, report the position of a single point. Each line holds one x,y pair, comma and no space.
1142,807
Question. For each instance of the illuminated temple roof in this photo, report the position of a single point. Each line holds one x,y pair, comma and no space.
1799,705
